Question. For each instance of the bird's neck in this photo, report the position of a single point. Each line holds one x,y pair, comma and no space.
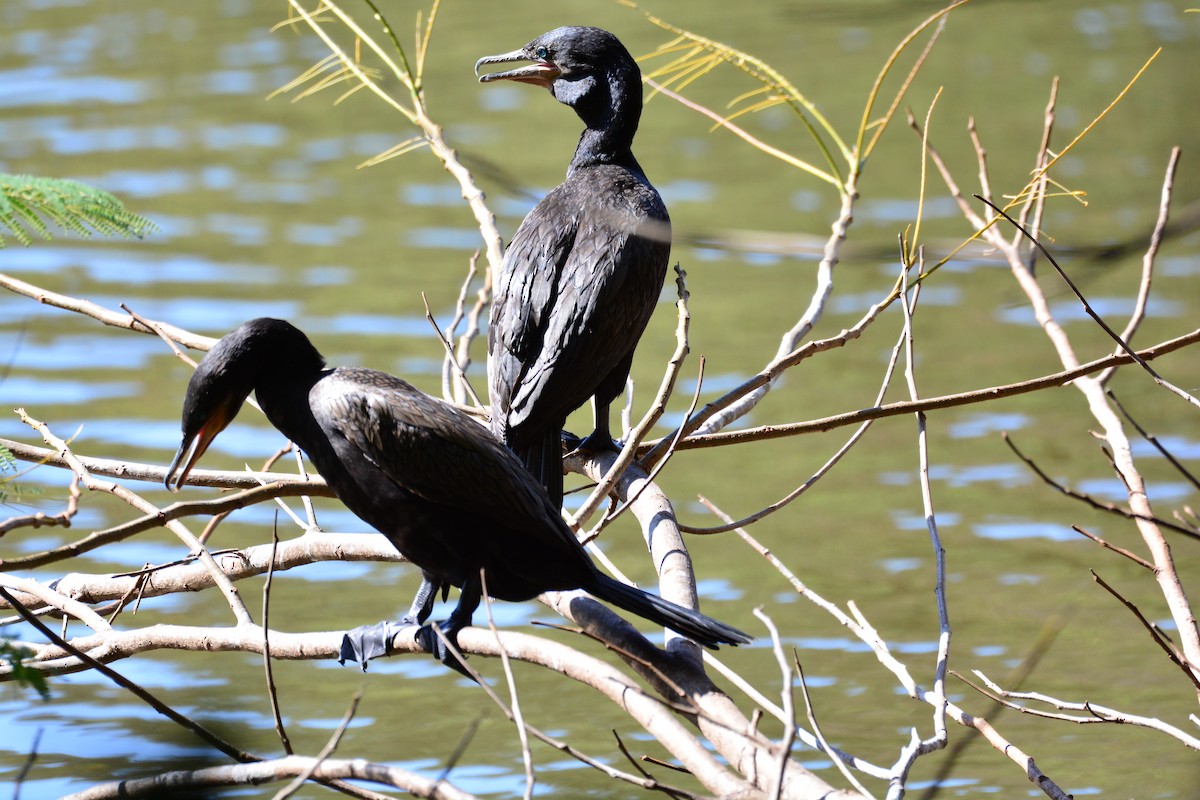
283,398
611,111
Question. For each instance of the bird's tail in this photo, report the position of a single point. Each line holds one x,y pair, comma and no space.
542,456
692,624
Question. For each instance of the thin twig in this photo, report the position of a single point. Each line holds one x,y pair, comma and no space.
1154,442
789,712
449,348
1091,312
513,697
629,449
1096,714
272,693
1056,379
330,746
1111,508
811,715
119,679
821,472
1188,670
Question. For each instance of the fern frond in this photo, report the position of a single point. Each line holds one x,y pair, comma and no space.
28,203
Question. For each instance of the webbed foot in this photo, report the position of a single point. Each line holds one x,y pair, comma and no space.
371,641
431,643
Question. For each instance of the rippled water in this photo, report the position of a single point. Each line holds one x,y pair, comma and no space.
261,211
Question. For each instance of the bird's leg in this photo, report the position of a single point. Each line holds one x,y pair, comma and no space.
427,637
600,438
422,604
372,641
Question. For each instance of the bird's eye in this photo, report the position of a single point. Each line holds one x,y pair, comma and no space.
542,53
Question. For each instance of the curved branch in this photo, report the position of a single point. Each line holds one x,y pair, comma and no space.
261,772
219,505
192,576
131,470
99,312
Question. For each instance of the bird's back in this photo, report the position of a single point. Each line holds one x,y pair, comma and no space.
450,496
580,281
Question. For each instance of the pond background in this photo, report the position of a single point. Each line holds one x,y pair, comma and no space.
262,211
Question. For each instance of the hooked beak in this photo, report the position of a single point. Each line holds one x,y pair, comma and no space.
193,446
539,73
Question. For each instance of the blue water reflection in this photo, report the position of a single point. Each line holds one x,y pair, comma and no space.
983,424
445,238
67,140
1114,489
44,86
139,267
1010,530
1181,448
1006,475
21,390
1114,310
193,314
895,565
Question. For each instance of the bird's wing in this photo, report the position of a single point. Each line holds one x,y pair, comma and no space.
527,292
432,450
576,293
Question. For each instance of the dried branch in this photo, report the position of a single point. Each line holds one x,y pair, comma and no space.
1092,388
199,730
276,770
189,575
150,473
766,432
330,746
1096,713
216,506
1156,239
858,625
272,694
939,738
1154,442
236,605
1091,312
789,727
1141,562
108,317
824,468
513,696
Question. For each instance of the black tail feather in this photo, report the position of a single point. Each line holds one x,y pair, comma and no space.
705,630
543,458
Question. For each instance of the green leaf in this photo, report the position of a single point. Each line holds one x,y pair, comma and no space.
29,203
24,676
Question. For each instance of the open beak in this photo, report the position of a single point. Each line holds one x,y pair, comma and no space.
539,73
193,447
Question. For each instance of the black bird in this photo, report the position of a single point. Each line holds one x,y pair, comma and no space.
584,270
438,485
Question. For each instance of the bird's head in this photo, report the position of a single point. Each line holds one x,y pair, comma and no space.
571,62
259,350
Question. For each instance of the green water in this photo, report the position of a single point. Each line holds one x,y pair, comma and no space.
262,211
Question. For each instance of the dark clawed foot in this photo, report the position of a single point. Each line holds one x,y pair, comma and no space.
431,643
370,641
594,443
